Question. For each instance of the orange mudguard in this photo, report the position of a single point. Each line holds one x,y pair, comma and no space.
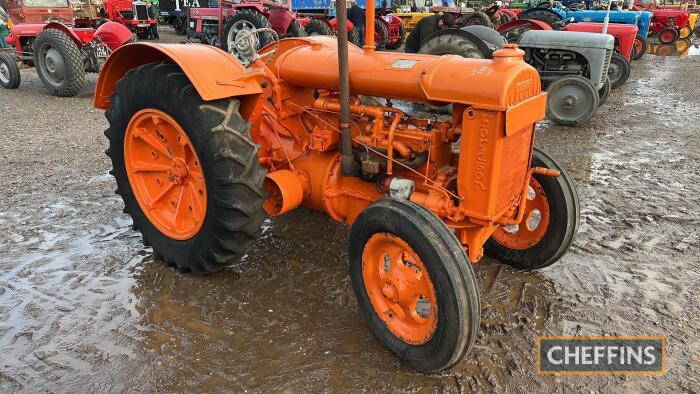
214,73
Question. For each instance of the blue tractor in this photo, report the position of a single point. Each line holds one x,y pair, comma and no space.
558,17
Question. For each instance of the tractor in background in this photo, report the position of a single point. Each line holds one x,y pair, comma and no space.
319,18
132,14
573,66
35,11
225,24
208,148
667,17
62,55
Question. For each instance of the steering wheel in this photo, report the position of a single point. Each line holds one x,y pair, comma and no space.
244,50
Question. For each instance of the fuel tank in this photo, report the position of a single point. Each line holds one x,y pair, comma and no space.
489,84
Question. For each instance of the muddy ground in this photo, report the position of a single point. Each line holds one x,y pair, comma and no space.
84,306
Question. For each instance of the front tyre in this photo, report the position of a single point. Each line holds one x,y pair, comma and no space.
639,48
604,92
10,77
572,100
414,284
618,71
549,225
186,169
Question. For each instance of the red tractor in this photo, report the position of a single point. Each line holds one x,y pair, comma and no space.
389,32
132,14
37,11
669,24
62,55
223,25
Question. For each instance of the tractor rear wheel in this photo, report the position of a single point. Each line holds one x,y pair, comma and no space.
9,71
604,92
245,22
619,70
572,100
480,18
59,63
190,179
317,27
668,35
685,32
414,284
354,36
295,29
640,47
451,44
549,225
381,34
545,15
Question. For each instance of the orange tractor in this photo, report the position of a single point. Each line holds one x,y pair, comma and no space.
203,148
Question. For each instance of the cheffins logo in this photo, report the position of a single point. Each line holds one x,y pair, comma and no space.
601,355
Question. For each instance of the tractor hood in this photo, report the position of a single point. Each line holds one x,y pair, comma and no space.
566,40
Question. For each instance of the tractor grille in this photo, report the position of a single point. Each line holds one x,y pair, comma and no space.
606,65
128,15
141,12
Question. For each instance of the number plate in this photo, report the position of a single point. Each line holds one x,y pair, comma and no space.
101,52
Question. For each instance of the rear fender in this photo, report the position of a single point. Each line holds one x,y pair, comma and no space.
70,33
534,25
280,19
483,47
214,73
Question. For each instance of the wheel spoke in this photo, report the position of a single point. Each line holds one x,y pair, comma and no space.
153,142
141,166
158,197
181,208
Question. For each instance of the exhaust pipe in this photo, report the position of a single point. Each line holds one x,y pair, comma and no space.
346,160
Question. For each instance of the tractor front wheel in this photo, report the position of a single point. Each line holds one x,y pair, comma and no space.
414,284
640,47
668,35
59,63
572,100
618,71
190,179
9,71
604,92
549,225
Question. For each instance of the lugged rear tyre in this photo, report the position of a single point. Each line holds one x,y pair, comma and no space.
399,42
228,157
51,48
381,34
295,29
317,27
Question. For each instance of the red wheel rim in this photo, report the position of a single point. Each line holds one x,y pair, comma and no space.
399,288
534,225
165,174
667,36
638,46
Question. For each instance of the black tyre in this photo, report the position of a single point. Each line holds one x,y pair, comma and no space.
317,27
604,92
399,42
639,48
10,77
142,33
180,25
59,63
228,162
381,34
354,36
245,22
480,18
295,29
572,100
544,15
559,196
619,70
451,44
432,255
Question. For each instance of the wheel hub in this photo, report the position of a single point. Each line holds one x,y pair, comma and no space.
533,227
165,174
399,288
4,73
54,65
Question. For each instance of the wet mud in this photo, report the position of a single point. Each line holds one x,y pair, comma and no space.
84,306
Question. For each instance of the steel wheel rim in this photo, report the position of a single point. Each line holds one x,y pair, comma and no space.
399,288
614,71
165,174
525,235
4,73
666,37
53,65
570,101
